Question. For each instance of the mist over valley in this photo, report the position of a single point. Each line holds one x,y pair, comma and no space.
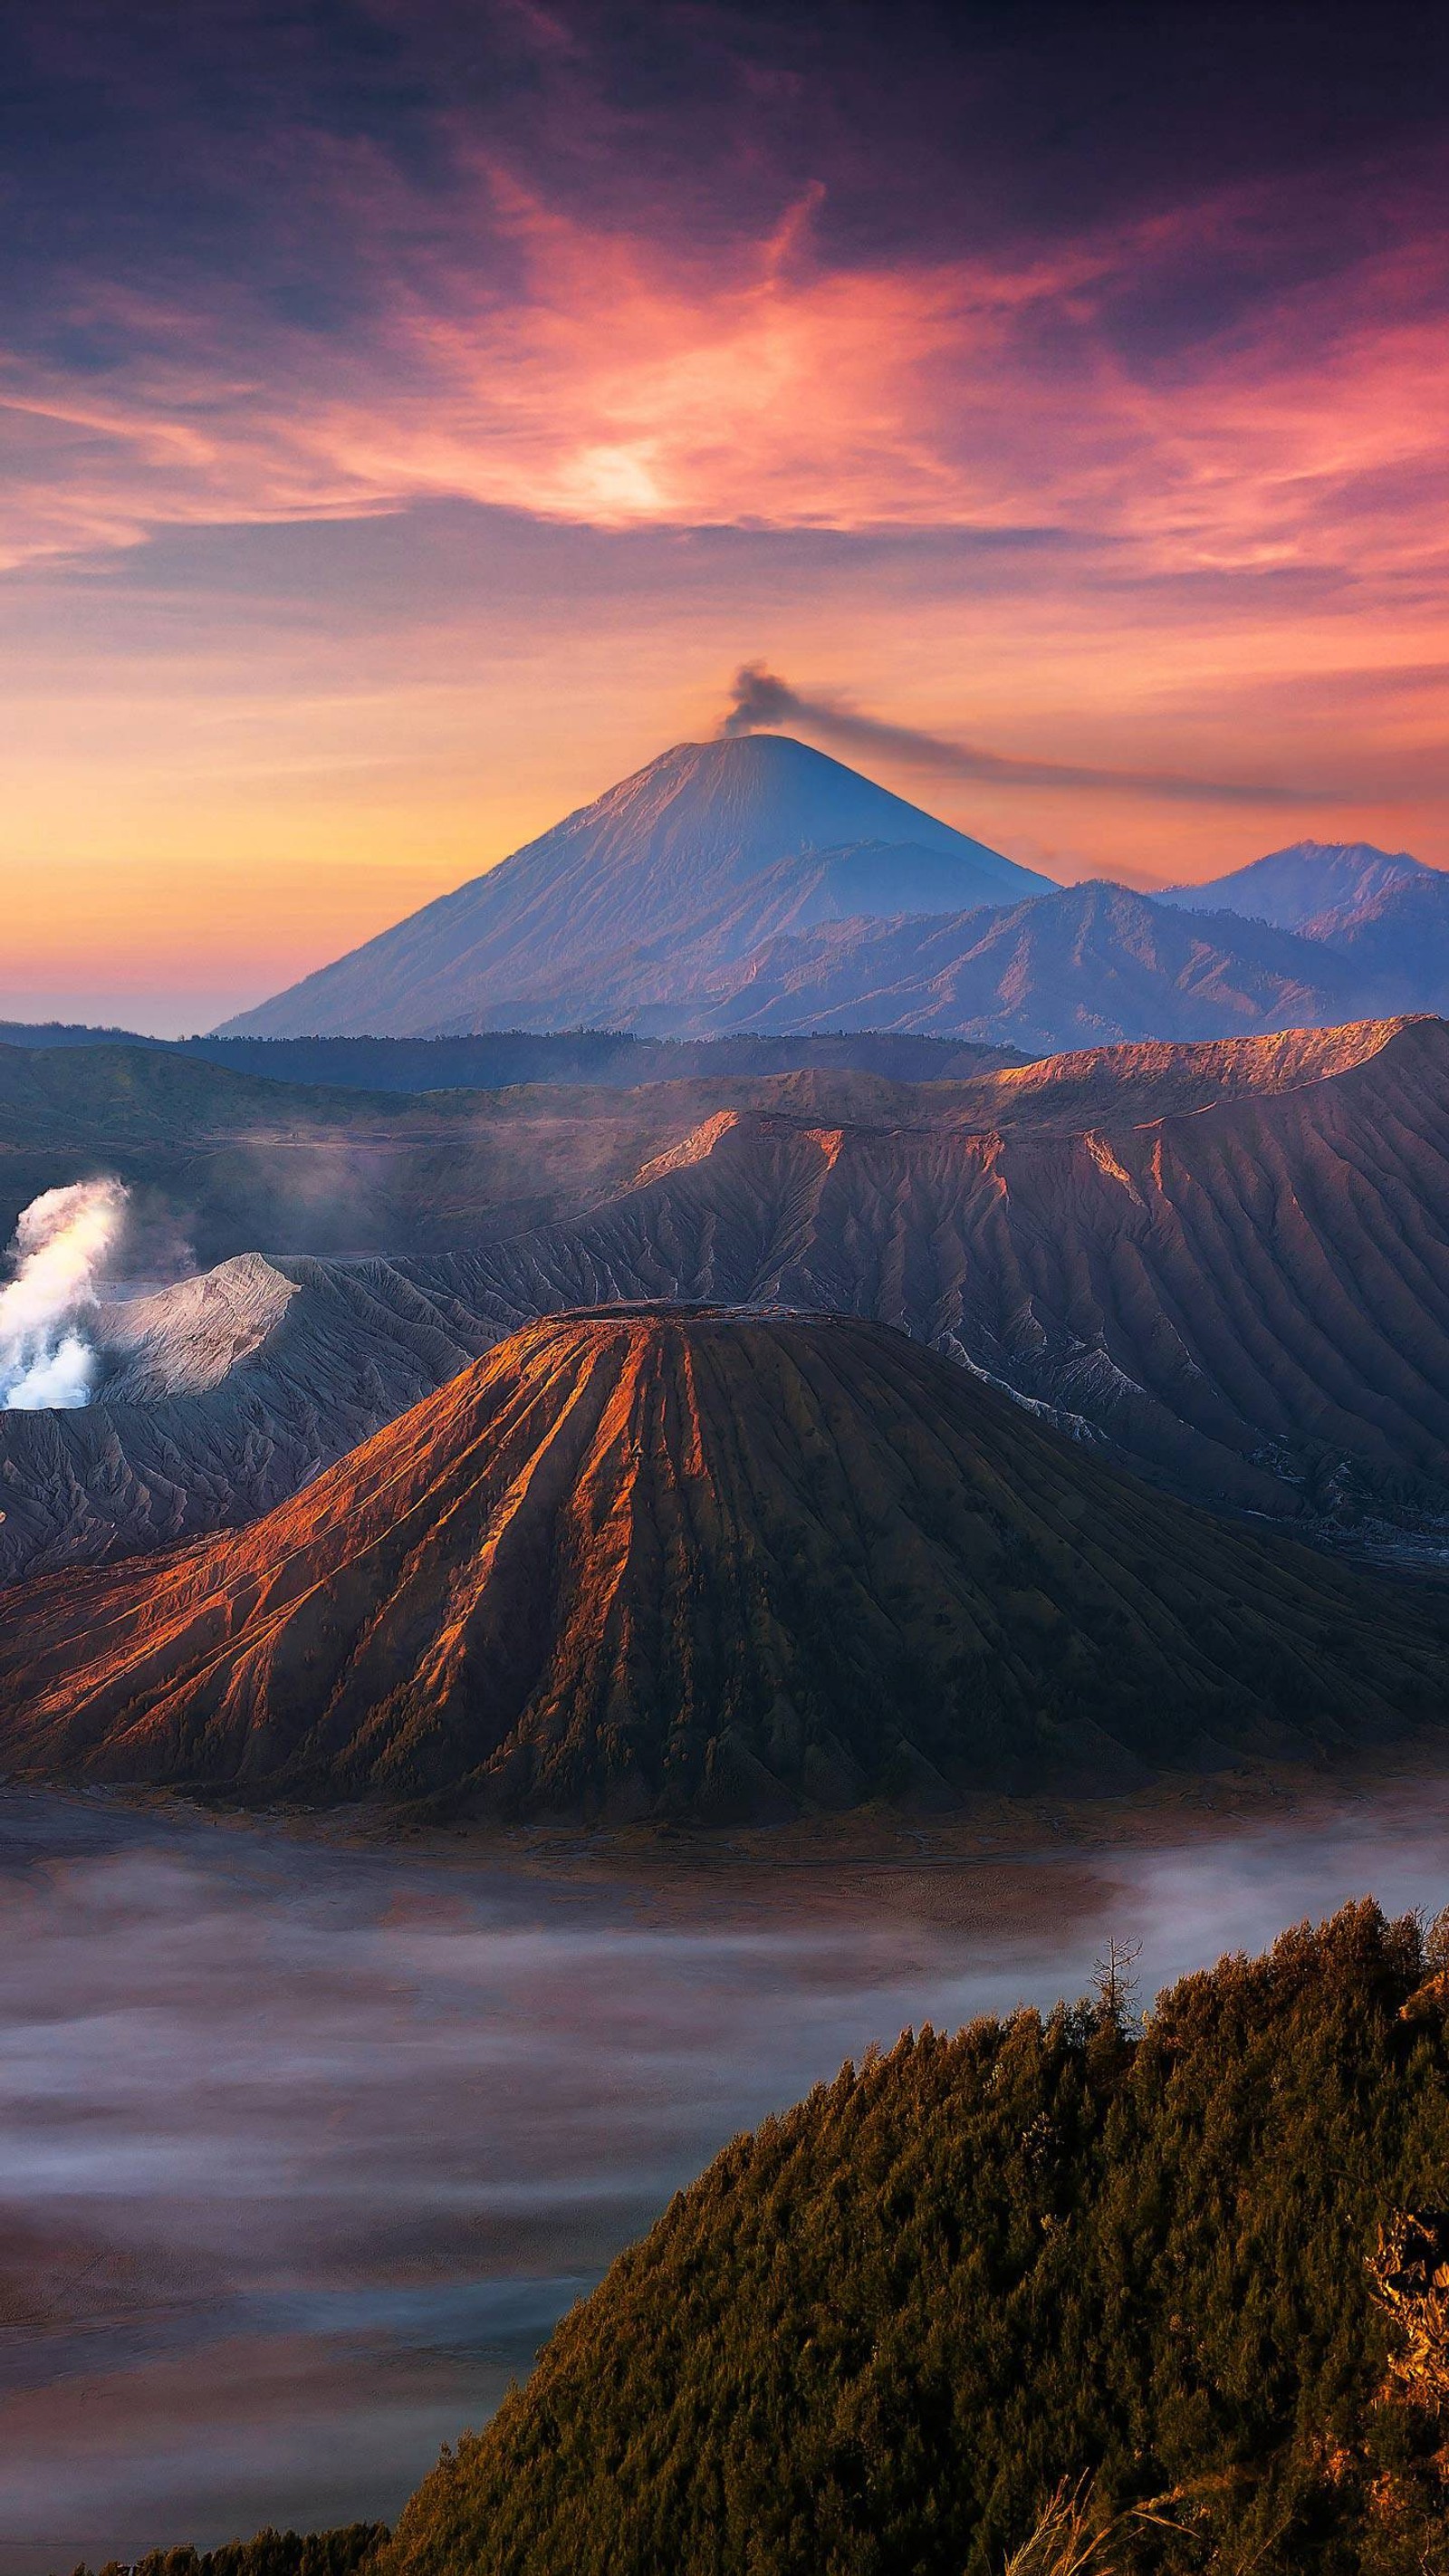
306,2147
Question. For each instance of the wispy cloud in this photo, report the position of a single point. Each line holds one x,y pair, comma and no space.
521,358
407,415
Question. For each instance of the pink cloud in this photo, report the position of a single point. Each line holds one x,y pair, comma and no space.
619,381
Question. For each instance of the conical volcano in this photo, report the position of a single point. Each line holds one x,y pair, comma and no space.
711,847
690,1562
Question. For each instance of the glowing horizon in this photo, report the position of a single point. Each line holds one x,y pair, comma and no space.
400,451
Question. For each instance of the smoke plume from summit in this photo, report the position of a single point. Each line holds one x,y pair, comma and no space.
63,1242
763,702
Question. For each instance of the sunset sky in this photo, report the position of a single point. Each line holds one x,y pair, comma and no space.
414,414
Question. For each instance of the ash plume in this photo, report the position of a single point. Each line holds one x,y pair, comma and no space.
763,702
62,1244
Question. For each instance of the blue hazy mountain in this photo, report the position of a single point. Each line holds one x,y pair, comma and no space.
1086,965
1296,888
1384,913
711,848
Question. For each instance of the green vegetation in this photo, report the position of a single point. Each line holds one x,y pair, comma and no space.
133,1093
495,1059
877,2335
271,2553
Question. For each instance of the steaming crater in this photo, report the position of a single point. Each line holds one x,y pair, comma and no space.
63,1243
187,1335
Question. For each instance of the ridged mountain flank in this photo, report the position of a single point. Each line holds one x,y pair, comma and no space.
711,847
684,1562
1228,1261
1078,966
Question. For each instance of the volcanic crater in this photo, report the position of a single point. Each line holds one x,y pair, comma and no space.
690,1562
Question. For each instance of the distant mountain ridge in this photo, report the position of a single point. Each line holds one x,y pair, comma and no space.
1309,937
1396,942
1384,914
1090,964
713,843
1296,888
756,886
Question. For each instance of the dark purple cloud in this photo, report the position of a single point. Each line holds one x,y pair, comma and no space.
153,142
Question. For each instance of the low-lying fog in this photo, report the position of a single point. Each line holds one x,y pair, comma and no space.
305,2148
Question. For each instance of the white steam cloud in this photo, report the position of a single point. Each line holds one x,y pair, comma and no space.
62,1244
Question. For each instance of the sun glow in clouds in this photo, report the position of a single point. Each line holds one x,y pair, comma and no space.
63,1242
1081,399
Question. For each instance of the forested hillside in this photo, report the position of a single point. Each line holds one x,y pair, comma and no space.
875,2334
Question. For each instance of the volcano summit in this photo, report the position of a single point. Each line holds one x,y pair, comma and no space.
711,848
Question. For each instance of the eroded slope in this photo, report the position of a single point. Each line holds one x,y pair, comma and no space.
703,1564
1248,1294
242,1163
183,1440
1252,1297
